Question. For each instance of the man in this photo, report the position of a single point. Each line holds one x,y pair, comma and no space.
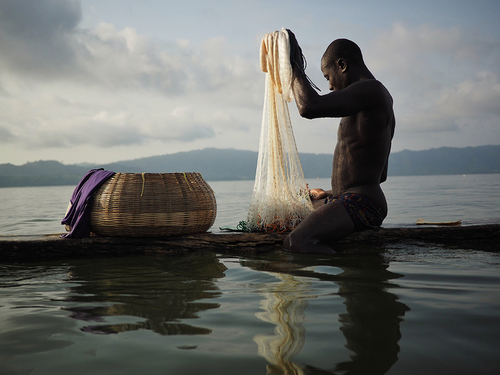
356,201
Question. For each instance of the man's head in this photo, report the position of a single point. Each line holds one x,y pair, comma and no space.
342,58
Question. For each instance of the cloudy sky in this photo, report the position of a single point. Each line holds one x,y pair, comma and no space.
108,80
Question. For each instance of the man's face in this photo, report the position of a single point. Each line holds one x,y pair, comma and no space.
331,73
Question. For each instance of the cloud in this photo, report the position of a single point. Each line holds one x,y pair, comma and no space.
476,96
455,107
110,89
125,60
5,135
43,40
64,86
37,37
193,133
442,79
427,122
105,129
404,48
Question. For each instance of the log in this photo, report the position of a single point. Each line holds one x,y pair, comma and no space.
480,237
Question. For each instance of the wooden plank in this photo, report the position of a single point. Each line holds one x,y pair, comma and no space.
425,222
481,237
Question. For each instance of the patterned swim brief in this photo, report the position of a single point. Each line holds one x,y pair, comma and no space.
363,212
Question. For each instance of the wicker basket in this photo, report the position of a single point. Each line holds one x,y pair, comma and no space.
153,204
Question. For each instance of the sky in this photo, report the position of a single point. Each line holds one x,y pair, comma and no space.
100,81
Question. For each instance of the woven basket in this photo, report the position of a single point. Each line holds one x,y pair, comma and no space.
153,204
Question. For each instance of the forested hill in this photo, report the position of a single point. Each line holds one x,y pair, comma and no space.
230,164
446,160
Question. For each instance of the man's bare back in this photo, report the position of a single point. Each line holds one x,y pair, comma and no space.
362,151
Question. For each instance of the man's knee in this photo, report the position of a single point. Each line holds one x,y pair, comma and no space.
297,243
294,241
289,240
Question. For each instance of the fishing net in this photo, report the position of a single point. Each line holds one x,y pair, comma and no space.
280,197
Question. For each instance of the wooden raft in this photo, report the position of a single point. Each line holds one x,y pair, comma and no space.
480,237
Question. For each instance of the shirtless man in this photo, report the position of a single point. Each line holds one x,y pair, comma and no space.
356,201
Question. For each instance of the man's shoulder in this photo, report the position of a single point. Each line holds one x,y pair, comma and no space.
372,92
371,84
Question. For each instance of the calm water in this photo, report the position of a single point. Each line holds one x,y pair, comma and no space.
472,198
388,310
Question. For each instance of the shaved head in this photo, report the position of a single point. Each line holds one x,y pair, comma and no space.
343,49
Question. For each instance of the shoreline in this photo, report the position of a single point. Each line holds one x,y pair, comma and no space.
51,246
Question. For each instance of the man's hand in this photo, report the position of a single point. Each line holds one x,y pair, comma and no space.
296,58
317,193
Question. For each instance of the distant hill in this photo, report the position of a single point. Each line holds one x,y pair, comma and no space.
40,173
214,164
446,160
229,164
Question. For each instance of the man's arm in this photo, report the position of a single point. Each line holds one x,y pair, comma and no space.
361,95
303,92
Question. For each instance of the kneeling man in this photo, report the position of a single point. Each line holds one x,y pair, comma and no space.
356,201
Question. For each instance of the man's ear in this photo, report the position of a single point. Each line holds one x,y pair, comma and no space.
342,64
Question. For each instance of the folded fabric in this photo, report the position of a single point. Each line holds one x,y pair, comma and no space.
78,215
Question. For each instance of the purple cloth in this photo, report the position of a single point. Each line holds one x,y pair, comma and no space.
78,216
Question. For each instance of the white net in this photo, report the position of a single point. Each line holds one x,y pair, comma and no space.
280,197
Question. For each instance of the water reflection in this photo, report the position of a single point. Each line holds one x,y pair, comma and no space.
284,307
334,315
157,294
370,323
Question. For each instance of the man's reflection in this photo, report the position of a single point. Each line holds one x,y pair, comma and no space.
370,323
284,307
161,292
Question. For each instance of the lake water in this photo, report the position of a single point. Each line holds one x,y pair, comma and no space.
394,309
